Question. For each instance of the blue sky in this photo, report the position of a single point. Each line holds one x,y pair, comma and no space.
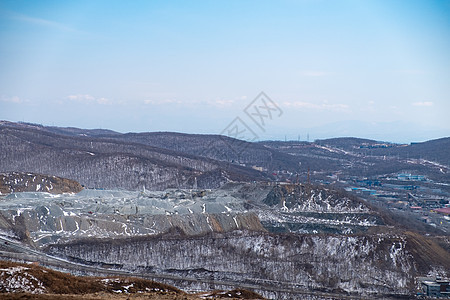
378,69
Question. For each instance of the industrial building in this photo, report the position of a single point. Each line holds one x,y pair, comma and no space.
435,287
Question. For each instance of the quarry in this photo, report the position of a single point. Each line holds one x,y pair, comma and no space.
279,240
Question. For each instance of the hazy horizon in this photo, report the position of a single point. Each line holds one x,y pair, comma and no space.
372,69
310,135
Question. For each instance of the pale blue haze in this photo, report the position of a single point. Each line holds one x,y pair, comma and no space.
377,69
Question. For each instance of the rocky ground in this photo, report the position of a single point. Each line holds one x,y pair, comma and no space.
42,218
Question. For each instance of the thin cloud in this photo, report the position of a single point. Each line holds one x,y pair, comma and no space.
315,106
222,102
103,101
85,98
40,22
162,102
425,103
13,99
81,97
217,103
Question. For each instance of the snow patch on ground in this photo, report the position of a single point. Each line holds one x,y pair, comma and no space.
17,279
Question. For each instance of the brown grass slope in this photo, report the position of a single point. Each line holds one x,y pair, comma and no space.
427,252
60,285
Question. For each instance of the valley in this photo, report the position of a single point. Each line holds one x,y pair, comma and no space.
333,219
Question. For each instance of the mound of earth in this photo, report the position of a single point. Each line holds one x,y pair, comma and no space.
15,182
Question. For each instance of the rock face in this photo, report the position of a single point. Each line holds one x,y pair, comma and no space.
382,264
15,182
304,208
43,218
299,197
46,218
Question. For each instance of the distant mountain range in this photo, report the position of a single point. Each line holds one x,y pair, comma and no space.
101,158
398,131
103,162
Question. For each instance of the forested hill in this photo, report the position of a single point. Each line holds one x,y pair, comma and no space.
102,158
433,150
99,162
